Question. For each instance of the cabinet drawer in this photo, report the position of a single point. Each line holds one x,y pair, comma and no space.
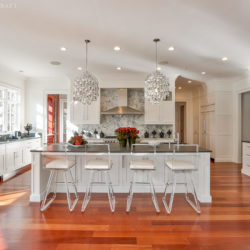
246,159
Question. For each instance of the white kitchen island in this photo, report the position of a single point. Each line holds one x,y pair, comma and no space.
120,173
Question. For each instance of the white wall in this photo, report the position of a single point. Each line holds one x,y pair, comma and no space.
15,80
36,102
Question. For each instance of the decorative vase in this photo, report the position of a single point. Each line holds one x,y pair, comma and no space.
131,140
123,143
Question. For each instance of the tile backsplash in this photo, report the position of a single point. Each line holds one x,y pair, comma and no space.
109,123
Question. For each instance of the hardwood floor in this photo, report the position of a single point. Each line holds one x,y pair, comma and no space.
223,225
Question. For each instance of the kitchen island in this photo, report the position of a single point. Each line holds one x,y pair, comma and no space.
120,172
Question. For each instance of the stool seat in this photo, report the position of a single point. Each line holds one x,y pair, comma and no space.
60,164
98,164
180,165
142,165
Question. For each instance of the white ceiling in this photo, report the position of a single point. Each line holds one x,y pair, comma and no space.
202,32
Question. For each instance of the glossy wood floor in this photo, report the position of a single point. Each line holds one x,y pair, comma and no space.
223,225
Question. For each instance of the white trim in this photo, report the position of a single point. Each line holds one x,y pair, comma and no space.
237,129
45,103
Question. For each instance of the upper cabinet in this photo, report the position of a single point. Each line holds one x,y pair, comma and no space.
162,113
86,114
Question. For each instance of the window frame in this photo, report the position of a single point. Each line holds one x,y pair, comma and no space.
11,105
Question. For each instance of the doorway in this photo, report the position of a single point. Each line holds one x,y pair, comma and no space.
180,120
56,118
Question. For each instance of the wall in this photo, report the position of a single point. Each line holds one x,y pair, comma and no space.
15,80
36,91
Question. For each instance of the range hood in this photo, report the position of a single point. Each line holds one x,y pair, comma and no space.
122,108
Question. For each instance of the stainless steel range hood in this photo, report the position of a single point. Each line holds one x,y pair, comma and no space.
122,108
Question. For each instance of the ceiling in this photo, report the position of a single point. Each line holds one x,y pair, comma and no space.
202,32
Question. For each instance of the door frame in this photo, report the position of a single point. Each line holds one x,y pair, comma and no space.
45,104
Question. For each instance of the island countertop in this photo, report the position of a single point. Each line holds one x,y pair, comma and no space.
116,149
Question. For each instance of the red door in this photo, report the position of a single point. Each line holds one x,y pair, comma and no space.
53,122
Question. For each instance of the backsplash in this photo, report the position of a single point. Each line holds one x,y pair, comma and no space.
111,122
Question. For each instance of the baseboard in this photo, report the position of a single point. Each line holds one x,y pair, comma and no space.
223,159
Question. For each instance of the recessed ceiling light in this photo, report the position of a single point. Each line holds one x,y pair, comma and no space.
63,49
158,68
20,71
79,68
118,68
203,73
171,48
224,59
180,88
189,81
117,48
55,63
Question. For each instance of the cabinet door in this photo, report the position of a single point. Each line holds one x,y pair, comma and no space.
14,156
2,162
78,113
167,110
86,114
152,113
93,113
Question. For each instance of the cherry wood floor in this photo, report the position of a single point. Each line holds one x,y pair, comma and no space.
223,225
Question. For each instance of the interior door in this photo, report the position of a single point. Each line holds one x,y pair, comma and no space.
53,123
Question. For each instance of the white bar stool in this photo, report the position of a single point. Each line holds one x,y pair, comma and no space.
97,159
58,163
187,168
140,166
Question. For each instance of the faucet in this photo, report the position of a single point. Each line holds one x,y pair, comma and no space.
177,137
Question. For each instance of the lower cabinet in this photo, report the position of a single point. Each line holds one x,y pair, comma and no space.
246,158
16,155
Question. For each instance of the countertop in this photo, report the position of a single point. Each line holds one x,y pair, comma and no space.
115,148
246,141
18,140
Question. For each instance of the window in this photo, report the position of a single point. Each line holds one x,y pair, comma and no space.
9,109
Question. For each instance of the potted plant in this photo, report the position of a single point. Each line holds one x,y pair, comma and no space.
28,128
132,135
121,135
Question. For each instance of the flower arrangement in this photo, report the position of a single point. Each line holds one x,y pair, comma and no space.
126,133
77,140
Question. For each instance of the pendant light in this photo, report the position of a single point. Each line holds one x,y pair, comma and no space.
86,86
156,83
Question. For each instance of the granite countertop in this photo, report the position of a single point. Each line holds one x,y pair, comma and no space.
18,140
246,141
115,148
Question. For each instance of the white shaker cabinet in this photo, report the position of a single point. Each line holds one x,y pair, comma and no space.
2,158
245,158
85,114
15,155
162,113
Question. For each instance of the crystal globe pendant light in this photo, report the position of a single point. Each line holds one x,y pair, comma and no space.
156,83
86,86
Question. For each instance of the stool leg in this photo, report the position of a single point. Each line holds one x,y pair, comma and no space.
130,196
71,206
75,191
154,199
110,192
45,205
196,205
169,207
88,192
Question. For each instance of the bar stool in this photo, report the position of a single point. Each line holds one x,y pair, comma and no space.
56,164
97,159
141,166
187,168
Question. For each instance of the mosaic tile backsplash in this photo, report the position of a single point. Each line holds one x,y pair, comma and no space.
109,123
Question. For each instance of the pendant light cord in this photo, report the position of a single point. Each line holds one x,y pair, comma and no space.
86,56
156,40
